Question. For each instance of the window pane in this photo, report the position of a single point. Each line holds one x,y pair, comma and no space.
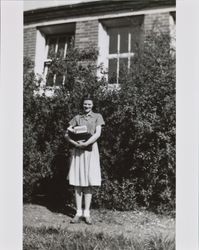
123,68
51,48
132,61
50,80
61,46
124,40
70,42
113,41
112,75
59,80
135,39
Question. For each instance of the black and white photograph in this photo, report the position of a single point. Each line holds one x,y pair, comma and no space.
98,130
99,125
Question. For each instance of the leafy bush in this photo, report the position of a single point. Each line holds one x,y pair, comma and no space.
137,145
115,194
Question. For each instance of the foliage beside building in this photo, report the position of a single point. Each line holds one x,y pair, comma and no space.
137,146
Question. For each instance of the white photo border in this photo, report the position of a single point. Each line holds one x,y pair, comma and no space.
11,125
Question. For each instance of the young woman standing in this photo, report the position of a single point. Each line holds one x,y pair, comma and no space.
84,172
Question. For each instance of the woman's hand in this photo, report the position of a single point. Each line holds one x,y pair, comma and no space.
74,143
81,144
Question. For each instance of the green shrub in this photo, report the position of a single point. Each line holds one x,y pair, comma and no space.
115,194
137,145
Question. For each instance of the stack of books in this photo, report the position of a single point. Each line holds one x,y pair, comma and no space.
80,133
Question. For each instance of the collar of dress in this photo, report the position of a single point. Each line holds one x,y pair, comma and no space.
87,115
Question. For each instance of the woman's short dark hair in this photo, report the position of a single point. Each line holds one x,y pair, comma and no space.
87,97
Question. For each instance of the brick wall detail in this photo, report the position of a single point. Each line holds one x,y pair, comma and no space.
86,34
30,42
157,22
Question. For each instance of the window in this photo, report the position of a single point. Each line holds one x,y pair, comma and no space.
56,46
120,53
52,41
118,41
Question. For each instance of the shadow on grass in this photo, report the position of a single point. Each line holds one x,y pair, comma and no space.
55,193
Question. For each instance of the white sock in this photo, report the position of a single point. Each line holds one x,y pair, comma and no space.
86,213
79,212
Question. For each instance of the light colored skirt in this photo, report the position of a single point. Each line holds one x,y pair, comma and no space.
85,167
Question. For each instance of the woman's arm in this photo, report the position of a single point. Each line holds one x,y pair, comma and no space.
76,144
93,138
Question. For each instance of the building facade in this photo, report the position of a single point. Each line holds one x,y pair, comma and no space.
112,27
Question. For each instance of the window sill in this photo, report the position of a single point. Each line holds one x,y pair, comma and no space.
50,91
46,91
114,86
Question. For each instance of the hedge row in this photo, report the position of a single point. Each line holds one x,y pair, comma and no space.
137,146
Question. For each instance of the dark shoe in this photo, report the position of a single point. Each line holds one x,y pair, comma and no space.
88,220
76,220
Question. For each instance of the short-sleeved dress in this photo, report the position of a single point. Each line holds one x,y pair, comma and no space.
85,165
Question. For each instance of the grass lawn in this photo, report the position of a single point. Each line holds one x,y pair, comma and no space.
137,230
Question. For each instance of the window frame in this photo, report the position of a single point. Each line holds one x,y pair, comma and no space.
41,55
119,55
132,23
47,62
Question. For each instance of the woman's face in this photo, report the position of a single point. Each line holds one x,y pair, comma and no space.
87,105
